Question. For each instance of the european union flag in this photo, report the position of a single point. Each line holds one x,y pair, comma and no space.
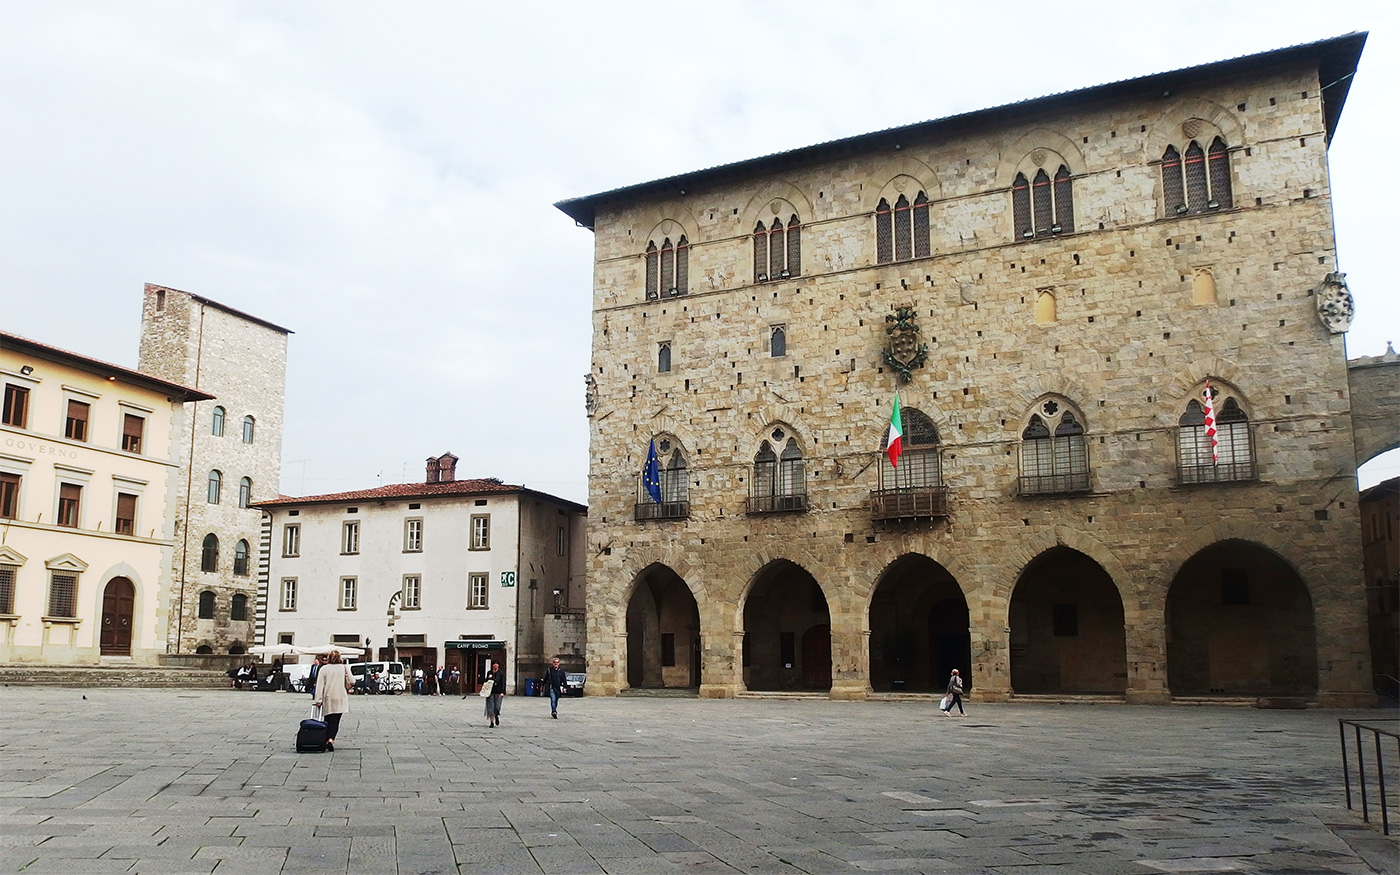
651,474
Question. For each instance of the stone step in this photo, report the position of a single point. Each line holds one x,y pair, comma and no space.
22,674
660,692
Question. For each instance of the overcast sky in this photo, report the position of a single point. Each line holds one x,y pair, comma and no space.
379,177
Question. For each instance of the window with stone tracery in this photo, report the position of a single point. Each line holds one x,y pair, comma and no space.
901,230
667,268
1199,180
1044,206
1054,452
777,250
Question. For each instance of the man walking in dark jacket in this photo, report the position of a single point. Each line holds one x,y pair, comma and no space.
554,680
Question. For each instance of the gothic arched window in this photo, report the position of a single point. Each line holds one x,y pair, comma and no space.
777,250
779,478
1054,460
667,268
1198,183
901,231
672,481
1232,456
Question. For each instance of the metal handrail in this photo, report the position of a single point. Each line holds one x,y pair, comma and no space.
1376,733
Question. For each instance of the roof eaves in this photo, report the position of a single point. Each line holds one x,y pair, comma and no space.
100,368
1337,59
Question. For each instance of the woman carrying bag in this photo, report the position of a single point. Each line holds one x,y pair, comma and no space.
333,685
495,691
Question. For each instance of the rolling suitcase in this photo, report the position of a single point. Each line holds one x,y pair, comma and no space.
311,735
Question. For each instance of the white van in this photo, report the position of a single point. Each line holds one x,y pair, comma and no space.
391,675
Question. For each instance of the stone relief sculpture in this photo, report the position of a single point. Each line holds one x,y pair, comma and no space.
905,351
1334,304
590,394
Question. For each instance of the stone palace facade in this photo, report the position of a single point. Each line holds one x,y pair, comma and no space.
1063,291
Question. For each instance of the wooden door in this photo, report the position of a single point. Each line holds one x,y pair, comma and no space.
816,658
118,604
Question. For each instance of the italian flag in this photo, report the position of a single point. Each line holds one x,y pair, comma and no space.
895,445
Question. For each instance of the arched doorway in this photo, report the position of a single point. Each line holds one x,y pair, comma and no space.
787,631
918,628
1067,631
1240,622
663,632
118,605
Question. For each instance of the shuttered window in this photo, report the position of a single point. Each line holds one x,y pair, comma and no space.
133,427
75,426
126,514
70,500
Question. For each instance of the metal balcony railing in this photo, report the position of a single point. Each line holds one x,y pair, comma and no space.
1223,472
795,503
662,510
1054,484
923,502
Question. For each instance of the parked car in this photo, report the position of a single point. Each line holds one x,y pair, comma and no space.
573,683
389,677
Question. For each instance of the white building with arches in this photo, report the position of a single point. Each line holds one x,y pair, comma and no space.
1115,321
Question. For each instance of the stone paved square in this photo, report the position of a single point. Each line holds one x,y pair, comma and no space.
162,781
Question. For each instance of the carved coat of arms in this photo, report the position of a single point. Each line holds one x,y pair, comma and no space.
906,349
1334,303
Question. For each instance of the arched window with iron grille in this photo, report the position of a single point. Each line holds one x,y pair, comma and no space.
1053,461
1233,456
914,487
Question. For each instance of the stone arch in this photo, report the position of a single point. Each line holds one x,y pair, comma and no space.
765,433
1068,631
662,625
1198,539
1058,386
668,219
1035,543
883,183
1240,620
1212,120
1188,383
790,199
919,623
786,621
1020,156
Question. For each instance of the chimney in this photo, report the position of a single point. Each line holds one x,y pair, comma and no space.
447,468
433,470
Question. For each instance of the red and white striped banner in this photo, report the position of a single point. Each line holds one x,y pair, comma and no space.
1210,424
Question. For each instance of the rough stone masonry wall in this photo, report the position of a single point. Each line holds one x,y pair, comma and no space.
243,363
1129,349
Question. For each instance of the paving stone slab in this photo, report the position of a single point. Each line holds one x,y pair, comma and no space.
660,785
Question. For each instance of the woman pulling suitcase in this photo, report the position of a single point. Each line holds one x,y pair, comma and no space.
333,685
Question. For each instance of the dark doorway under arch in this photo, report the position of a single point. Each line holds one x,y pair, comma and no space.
1240,622
918,628
663,632
787,631
1067,632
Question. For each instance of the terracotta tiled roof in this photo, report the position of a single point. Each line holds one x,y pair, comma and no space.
482,486
24,346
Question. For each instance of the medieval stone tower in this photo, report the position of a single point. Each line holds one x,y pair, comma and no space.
232,447
1114,319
